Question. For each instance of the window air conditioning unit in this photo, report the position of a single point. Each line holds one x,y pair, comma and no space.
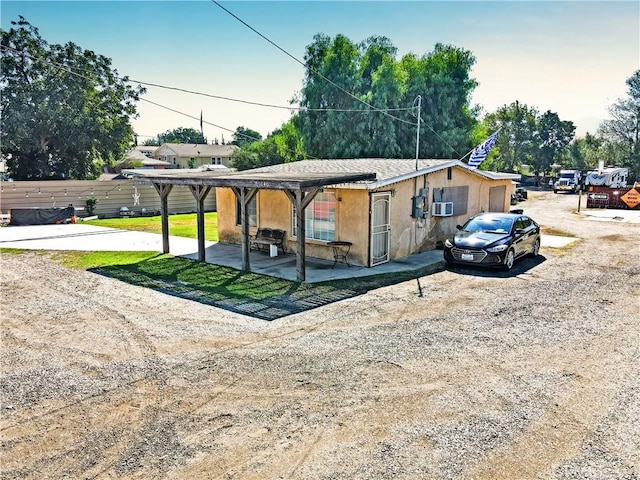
442,209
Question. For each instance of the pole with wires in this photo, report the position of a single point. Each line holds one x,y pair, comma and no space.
419,100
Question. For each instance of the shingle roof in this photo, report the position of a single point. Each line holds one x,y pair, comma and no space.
197,149
387,170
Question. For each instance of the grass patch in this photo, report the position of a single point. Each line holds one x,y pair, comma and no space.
259,296
556,232
89,260
182,225
11,251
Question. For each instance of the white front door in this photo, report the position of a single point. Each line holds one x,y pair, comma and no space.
380,227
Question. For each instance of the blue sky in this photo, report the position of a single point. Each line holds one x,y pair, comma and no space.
568,57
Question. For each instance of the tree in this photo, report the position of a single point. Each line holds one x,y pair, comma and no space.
151,142
585,153
245,136
517,141
282,146
554,136
65,112
182,135
622,132
342,78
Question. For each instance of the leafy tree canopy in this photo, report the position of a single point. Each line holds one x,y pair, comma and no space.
65,111
282,146
245,136
340,75
621,133
527,138
182,135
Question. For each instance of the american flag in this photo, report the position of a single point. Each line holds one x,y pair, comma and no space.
481,151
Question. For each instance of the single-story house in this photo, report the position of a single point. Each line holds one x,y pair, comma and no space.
147,150
137,159
194,155
410,207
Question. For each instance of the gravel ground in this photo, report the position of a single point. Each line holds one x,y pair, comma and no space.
533,373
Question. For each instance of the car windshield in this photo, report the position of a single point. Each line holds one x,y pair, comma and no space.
489,224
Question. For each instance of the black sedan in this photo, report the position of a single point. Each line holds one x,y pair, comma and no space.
493,239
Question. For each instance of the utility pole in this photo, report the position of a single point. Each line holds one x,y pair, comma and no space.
419,100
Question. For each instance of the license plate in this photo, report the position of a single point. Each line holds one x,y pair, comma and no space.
467,257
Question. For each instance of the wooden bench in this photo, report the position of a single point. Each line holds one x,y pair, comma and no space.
265,237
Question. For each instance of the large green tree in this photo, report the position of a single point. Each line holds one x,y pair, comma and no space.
281,146
182,135
342,78
554,136
245,136
65,111
517,141
622,132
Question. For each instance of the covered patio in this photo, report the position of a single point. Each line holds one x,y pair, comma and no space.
300,188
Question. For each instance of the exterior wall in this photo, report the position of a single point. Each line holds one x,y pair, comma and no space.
407,235
111,196
275,211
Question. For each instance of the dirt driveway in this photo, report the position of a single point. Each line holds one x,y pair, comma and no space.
530,374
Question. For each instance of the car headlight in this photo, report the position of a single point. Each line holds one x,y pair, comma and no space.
499,248
447,243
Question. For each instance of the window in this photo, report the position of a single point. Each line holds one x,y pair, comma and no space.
459,196
215,160
253,212
449,173
320,218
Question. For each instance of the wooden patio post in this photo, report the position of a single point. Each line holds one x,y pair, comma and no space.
200,193
163,190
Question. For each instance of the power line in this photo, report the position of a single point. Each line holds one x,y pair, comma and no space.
248,102
68,70
311,69
325,78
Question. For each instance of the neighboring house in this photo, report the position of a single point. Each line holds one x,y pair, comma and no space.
194,155
405,211
147,150
138,159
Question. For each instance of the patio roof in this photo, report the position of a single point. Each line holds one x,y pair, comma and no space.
300,188
251,179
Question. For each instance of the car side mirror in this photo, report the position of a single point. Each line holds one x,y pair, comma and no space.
519,231
459,227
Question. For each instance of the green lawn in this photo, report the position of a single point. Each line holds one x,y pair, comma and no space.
258,296
182,225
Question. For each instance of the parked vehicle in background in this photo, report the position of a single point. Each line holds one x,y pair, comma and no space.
568,181
612,177
493,240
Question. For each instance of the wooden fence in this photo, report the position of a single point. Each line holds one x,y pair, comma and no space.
111,196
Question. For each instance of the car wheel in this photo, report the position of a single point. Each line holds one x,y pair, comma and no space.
509,259
536,248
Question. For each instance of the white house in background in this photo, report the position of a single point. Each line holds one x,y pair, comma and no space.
194,155
138,159
146,150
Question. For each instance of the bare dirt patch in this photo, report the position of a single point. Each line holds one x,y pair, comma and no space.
527,374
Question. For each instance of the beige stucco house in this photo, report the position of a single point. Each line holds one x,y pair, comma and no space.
405,210
194,155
